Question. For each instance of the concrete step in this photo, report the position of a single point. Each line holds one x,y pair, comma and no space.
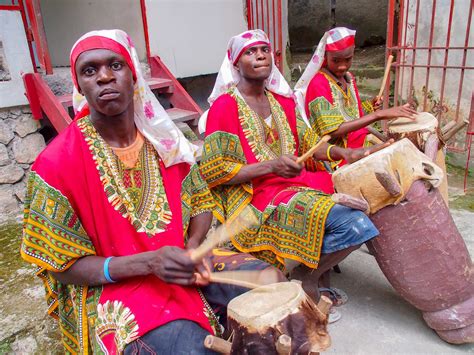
180,115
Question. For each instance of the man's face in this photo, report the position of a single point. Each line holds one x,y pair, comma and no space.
255,63
106,81
339,62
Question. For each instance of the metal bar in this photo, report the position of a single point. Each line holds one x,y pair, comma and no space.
256,15
398,41
446,52
408,48
280,38
145,29
249,14
36,21
466,171
262,26
415,41
267,30
402,52
466,43
32,95
274,23
428,68
28,34
436,66
10,7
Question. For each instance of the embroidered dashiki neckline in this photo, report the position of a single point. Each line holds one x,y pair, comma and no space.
346,102
255,131
138,193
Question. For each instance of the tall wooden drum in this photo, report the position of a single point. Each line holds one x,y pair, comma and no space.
259,318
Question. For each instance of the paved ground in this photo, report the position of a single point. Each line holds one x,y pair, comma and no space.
378,321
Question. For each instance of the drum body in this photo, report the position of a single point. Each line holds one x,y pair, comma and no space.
418,131
259,317
383,178
425,259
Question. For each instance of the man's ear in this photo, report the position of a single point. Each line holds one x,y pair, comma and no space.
236,67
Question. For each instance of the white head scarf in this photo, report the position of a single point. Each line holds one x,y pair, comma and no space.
228,76
337,39
151,118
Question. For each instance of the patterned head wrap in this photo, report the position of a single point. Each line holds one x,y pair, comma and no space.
228,76
334,40
151,118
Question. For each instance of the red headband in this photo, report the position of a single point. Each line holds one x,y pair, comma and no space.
99,42
343,43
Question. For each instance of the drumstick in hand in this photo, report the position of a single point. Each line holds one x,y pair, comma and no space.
312,150
224,232
385,76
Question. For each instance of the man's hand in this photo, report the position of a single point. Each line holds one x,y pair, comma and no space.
174,265
397,111
352,155
377,103
286,166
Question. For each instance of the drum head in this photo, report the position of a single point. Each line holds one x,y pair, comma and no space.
266,305
424,121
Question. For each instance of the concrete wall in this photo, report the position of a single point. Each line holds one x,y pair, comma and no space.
309,19
191,36
453,76
66,20
16,57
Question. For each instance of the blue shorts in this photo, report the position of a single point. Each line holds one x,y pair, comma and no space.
346,227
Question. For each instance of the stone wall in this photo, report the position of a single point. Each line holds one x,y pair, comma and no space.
20,143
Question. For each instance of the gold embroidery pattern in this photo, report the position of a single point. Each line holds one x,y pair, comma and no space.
153,214
255,132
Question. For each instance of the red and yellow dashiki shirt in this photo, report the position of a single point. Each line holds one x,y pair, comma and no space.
82,200
328,106
292,211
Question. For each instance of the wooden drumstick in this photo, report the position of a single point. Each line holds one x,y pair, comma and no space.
224,232
324,304
283,345
312,150
217,344
385,76
249,279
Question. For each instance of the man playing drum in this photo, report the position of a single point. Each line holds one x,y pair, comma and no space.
329,99
111,203
253,137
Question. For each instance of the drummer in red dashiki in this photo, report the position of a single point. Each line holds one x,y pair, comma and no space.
253,137
328,97
109,205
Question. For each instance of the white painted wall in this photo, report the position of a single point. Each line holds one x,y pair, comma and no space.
17,56
457,39
66,20
191,36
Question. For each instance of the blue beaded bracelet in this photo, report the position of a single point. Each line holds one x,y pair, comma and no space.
106,270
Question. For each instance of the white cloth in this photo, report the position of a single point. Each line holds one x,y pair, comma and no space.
151,118
228,76
330,38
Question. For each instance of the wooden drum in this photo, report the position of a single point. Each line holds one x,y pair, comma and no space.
384,177
268,318
419,132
